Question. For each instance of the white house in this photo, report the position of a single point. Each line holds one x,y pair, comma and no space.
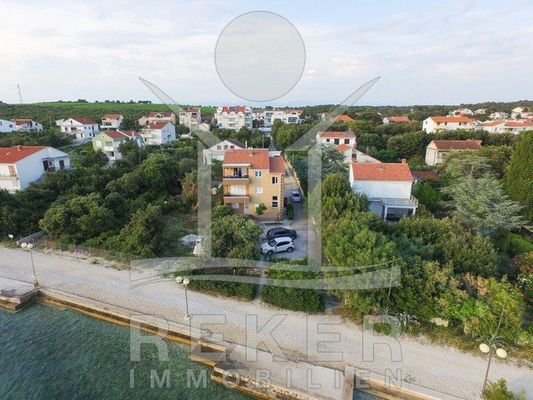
22,165
7,126
111,121
82,128
480,111
518,111
159,132
336,138
234,117
266,117
439,124
498,115
109,142
216,152
509,126
387,187
157,116
28,125
438,150
191,118
396,119
351,153
461,112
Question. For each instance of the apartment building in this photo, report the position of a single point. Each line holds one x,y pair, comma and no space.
336,138
82,128
111,121
439,124
109,142
234,117
191,118
157,116
158,132
253,178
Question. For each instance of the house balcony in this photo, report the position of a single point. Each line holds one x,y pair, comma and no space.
236,198
9,178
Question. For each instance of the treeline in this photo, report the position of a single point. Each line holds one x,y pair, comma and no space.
49,137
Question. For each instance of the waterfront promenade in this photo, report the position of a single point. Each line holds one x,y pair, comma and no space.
437,369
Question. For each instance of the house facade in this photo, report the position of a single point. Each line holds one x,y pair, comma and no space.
252,178
82,128
438,150
336,138
7,126
22,165
217,151
439,124
461,112
159,132
109,142
387,186
156,116
191,118
28,125
111,121
509,126
234,117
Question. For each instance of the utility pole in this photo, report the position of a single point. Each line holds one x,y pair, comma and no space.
20,94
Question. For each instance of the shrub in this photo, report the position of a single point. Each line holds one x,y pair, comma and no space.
290,211
498,391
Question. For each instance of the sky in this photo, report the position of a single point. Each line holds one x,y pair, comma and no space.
426,52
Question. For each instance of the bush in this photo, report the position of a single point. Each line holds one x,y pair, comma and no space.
498,391
290,211
240,290
516,244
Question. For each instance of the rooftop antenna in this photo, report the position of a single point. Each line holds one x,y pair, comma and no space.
20,94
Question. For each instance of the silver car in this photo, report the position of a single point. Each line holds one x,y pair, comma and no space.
278,245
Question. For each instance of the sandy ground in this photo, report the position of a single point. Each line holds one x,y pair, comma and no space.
442,369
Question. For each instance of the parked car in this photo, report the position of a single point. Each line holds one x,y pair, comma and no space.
296,197
281,232
278,245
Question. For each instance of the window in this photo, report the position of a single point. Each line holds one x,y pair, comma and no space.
61,164
235,205
346,141
274,201
337,141
219,147
258,174
12,171
274,180
327,140
259,189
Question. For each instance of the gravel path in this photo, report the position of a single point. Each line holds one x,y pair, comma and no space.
442,369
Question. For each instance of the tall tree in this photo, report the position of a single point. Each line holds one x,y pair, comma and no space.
518,177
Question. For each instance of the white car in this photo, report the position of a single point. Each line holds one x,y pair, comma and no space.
278,245
296,197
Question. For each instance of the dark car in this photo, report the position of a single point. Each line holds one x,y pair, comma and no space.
281,232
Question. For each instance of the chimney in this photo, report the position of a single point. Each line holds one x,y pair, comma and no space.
404,161
19,147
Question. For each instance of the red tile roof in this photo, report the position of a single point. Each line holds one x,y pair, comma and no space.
235,109
381,171
336,134
341,148
156,125
85,121
277,166
257,158
518,124
190,110
452,119
22,121
120,134
398,119
344,118
457,144
10,155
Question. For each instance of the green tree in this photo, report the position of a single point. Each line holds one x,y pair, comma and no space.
498,391
518,178
235,236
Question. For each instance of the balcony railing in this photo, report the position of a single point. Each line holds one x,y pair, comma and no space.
236,177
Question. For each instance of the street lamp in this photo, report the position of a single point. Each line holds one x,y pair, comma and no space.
184,282
492,347
29,246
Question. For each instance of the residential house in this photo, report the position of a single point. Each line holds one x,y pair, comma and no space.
387,187
112,121
28,125
344,118
252,178
7,126
480,111
109,141
396,119
216,152
461,112
518,111
498,115
438,150
265,118
439,124
336,137
509,126
351,153
82,128
234,117
191,118
22,165
157,116
158,132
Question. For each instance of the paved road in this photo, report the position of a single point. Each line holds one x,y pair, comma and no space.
438,368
